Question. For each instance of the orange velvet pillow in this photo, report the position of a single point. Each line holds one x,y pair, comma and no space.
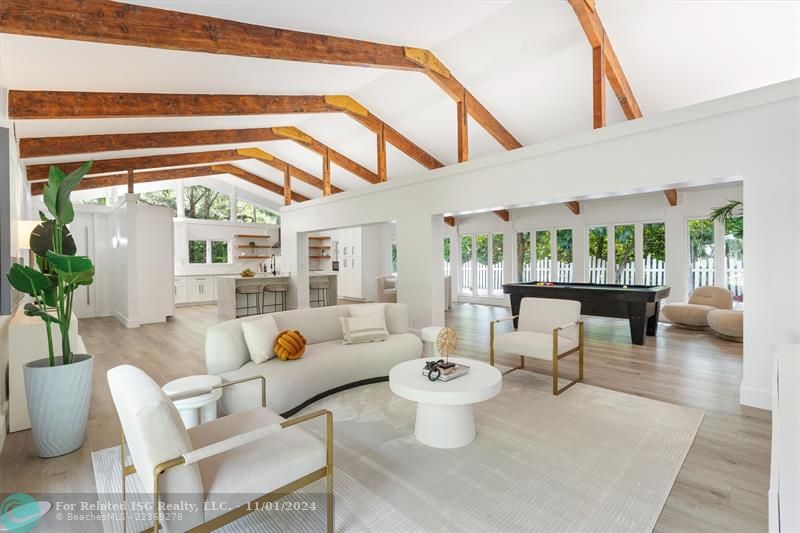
290,344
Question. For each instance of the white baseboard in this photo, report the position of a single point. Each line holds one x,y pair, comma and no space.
125,321
761,399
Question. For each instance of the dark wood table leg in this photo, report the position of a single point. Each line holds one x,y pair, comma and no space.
652,322
638,322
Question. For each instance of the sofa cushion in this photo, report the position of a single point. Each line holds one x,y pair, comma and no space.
235,477
532,344
368,309
728,322
260,335
367,328
323,367
689,314
318,324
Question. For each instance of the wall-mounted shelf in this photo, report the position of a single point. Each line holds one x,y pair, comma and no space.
318,238
253,256
319,257
319,247
248,236
256,246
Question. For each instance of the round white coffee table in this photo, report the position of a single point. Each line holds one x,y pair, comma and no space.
444,408
197,409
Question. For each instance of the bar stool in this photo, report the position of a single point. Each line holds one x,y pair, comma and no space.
276,289
247,291
321,288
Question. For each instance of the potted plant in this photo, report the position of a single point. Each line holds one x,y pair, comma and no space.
58,388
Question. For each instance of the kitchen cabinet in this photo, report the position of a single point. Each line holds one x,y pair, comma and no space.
181,290
201,288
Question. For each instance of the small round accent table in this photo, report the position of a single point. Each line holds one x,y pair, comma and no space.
444,408
197,409
428,336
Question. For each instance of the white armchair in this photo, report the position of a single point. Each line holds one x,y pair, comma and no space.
547,329
213,470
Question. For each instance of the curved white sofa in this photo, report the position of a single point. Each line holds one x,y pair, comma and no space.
327,366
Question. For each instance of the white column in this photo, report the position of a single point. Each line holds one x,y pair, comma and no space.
420,284
509,253
638,245
580,248
611,255
676,249
719,254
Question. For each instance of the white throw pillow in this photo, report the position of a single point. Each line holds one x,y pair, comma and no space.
259,335
358,310
370,328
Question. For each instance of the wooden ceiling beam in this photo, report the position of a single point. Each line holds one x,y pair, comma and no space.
303,139
257,180
672,196
102,21
595,32
503,214
280,164
574,206
138,177
80,144
107,166
462,130
450,221
24,105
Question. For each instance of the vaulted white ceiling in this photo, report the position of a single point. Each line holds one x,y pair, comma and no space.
528,62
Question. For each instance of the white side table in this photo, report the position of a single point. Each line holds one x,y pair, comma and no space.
444,408
429,336
197,409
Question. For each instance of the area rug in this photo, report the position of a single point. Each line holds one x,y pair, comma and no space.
590,459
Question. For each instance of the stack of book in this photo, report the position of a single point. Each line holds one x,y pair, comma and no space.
452,372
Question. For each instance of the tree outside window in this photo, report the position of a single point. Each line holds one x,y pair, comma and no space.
197,252
163,198
204,203
219,252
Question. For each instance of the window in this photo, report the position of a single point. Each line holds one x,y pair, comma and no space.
204,252
165,198
197,251
598,254
564,255
701,253
252,214
624,254
543,256
524,256
202,202
734,257
219,252
446,251
654,251
498,264
466,265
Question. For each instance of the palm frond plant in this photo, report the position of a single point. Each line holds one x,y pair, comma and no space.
731,217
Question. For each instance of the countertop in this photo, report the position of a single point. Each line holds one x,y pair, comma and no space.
263,275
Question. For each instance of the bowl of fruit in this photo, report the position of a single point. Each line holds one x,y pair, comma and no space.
247,273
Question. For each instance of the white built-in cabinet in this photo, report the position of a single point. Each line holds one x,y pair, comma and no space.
194,289
358,251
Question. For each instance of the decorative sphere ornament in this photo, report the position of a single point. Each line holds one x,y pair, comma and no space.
446,342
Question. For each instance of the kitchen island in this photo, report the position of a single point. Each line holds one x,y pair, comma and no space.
228,300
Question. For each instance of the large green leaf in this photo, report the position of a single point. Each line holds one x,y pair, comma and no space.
69,264
42,239
35,310
85,277
27,280
58,189
50,194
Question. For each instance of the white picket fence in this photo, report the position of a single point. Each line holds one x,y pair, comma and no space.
542,271
701,274
482,283
447,268
654,270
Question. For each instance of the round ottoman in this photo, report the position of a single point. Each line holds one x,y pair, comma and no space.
728,323
688,316
429,336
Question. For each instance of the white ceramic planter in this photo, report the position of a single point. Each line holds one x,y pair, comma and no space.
58,403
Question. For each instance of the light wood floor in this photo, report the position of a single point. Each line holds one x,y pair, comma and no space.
721,487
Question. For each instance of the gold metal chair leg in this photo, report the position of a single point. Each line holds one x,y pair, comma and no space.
491,343
522,361
329,477
122,471
580,351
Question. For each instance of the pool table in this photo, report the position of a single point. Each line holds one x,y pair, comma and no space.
638,303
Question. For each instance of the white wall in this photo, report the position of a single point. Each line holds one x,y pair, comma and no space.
751,136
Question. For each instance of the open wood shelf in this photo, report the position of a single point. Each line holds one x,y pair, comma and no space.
318,238
256,246
248,236
319,247
253,256
319,257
